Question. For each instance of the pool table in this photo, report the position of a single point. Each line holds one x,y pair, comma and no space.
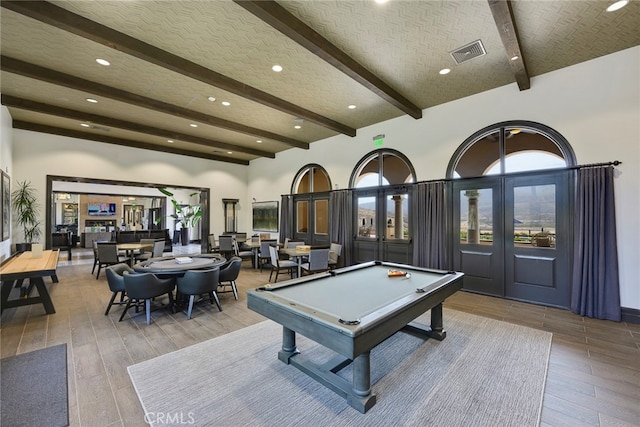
350,311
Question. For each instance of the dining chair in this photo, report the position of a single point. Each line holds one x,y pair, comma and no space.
244,254
211,240
318,261
226,245
280,264
335,250
263,255
115,280
228,274
107,255
158,249
146,253
198,283
144,287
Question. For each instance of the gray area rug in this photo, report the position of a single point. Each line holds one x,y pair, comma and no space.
485,373
34,388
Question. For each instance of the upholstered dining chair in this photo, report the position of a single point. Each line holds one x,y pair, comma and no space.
226,245
244,254
335,250
107,255
280,264
144,287
146,253
198,283
228,274
211,240
318,261
116,283
263,254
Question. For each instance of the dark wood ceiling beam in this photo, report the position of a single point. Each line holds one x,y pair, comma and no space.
78,25
33,71
282,20
19,124
39,107
503,15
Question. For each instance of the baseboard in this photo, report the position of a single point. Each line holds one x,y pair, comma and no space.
630,315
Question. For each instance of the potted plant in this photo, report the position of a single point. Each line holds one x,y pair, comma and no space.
187,215
542,239
27,211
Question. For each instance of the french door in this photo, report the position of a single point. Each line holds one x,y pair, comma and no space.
311,219
513,236
383,228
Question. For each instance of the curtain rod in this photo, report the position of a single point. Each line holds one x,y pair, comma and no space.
597,165
590,165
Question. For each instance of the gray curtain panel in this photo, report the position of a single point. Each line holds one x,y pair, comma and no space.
429,212
285,218
341,221
595,290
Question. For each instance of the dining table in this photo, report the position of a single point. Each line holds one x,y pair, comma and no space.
176,265
298,255
34,267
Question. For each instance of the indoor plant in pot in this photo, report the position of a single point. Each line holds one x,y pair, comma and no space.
187,215
25,205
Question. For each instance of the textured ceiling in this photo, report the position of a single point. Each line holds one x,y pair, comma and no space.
401,43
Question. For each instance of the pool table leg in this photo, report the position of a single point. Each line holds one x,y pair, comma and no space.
288,345
437,330
362,399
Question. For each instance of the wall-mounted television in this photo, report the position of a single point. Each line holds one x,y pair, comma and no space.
101,209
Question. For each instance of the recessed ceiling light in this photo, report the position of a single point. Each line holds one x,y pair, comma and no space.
617,5
170,141
277,68
445,71
297,127
84,125
226,103
514,57
95,101
259,141
211,98
351,107
193,125
103,62
381,1
229,152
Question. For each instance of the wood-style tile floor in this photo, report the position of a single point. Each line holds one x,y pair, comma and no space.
593,377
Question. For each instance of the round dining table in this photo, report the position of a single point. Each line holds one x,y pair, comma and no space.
176,265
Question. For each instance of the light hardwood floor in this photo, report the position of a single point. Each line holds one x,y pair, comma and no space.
593,377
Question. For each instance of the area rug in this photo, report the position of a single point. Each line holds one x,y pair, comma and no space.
34,388
485,373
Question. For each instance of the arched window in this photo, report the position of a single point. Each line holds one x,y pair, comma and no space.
311,217
385,213
311,178
382,167
507,147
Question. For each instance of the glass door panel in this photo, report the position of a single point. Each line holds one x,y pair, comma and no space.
321,217
397,216
367,218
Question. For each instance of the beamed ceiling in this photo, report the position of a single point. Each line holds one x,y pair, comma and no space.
168,57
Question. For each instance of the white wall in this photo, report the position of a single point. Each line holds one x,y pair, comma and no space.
36,155
594,105
6,163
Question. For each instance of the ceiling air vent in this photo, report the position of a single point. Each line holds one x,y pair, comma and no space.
468,52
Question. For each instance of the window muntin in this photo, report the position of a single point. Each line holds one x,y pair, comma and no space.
380,168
